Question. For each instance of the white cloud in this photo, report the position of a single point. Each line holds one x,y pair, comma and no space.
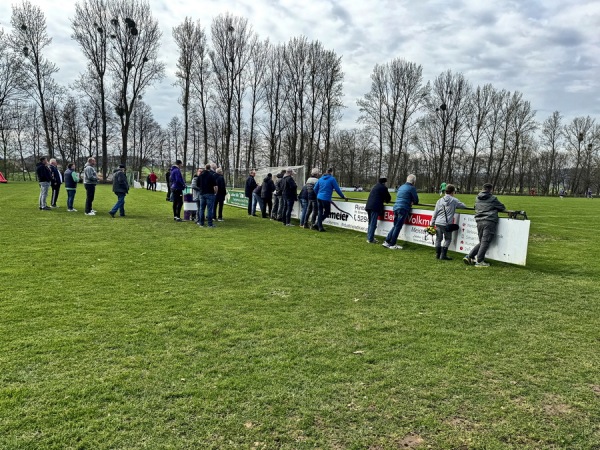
548,51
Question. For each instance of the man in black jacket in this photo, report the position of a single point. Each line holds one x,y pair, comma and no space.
268,187
208,189
44,176
250,186
220,197
379,195
289,194
57,180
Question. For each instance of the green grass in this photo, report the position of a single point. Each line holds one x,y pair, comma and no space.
141,333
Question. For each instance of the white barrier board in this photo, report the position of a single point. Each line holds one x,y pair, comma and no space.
510,244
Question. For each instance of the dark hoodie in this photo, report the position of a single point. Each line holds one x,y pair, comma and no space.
487,207
268,187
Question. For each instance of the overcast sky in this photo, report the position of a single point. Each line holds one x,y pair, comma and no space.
549,50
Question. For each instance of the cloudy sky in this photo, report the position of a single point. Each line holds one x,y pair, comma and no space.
549,50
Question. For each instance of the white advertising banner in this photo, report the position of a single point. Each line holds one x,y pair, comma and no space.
510,244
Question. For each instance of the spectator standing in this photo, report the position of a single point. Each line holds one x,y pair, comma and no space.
168,182
312,209
405,198
196,192
208,190
121,189
250,186
379,195
220,197
278,205
90,180
324,189
177,188
268,187
44,176
71,181
487,207
57,181
153,180
257,200
289,194
443,216
443,188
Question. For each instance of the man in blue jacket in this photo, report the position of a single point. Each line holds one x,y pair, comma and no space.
379,195
405,198
324,189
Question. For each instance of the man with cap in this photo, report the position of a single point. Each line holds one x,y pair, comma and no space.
379,195
120,188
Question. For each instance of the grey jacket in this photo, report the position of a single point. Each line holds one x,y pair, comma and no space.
89,174
450,204
487,207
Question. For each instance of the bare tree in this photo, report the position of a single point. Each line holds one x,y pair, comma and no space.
30,38
201,79
231,37
189,39
257,73
275,99
480,107
11,76
397,93
551,137
91,30
132,58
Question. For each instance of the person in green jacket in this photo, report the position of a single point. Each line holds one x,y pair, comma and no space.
443,188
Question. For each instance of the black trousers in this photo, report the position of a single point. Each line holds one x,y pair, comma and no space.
90,190
55,192
177,202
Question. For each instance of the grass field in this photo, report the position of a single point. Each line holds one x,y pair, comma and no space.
142,333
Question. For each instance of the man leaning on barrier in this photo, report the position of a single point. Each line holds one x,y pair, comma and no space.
487,207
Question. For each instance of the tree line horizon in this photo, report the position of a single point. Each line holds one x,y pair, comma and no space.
246,102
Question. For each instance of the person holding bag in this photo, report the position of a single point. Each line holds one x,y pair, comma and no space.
442,219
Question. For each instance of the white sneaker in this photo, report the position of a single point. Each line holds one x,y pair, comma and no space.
386,245
395,247
94,211
90,213
482,264
72,210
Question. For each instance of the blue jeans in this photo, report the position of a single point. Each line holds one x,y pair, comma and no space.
44,186
120,205
304,206
256,200
70,198
372,225
400,216
207,201
287,215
